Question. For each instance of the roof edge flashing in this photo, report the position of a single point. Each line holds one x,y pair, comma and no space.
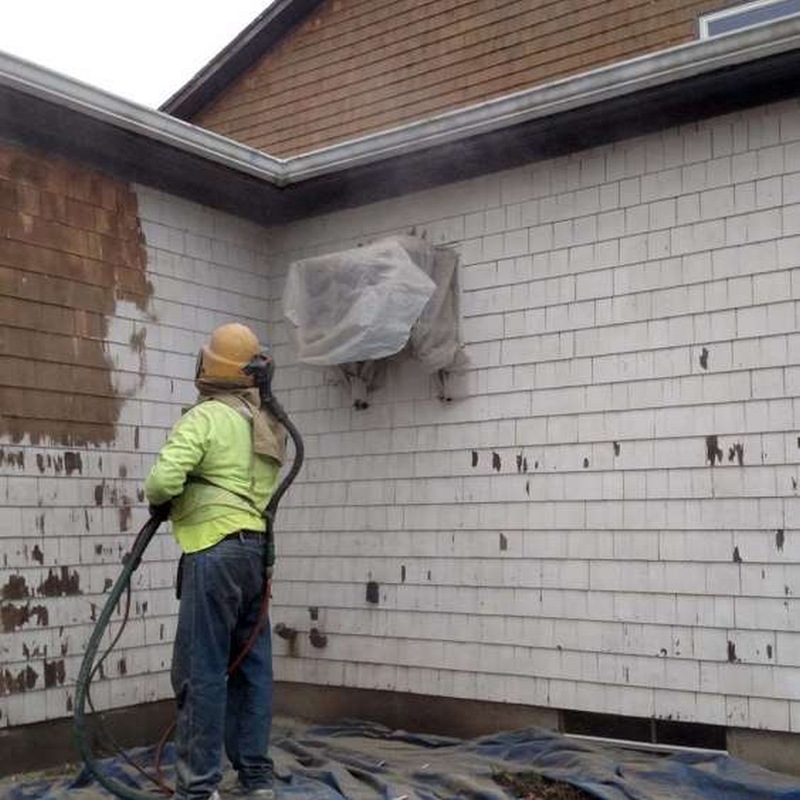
31,79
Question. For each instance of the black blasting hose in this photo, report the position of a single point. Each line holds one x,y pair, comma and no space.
261,369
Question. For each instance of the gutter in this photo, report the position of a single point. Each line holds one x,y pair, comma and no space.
30,79
590,88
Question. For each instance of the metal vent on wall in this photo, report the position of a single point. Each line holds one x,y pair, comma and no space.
650,733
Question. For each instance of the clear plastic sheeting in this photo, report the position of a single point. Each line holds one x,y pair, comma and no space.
369,303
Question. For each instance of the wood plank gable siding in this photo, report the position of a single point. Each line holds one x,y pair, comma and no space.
359,66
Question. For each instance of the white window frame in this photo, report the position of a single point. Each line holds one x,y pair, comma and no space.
705,19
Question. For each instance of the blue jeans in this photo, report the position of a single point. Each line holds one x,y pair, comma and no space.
220,601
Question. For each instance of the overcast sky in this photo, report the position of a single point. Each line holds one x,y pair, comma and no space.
142,50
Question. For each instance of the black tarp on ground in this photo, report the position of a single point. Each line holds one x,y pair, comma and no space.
365,761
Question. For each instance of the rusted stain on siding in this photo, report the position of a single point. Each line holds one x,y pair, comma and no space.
23,681
71,247
54,673
73,463
60,583
14,458
15,616
713,450
736,451
14,588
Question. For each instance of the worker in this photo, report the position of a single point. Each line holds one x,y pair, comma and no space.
212,478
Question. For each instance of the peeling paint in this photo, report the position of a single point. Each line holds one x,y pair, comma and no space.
12,459
285,632
37,651
736,451
317,639
289,635
373,592
73,463
713,450
54,673
15,588
13,617
23,681
60,583
125,513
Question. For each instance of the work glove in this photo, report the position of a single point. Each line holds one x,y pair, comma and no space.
161,511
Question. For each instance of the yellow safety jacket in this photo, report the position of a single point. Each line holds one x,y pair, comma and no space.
216,483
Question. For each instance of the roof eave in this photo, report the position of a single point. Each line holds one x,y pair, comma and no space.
617,80
61,114
236,57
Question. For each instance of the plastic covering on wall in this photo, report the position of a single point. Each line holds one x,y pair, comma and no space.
357,308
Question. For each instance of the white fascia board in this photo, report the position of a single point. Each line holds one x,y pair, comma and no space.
644,72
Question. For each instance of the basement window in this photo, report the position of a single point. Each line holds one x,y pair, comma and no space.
746,16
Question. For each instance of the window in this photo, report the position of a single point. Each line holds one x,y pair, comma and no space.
746,16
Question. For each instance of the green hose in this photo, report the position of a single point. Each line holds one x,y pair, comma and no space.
88,666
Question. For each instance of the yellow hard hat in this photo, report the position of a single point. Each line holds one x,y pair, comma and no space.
230,348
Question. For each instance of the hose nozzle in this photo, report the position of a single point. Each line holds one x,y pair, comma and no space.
261,369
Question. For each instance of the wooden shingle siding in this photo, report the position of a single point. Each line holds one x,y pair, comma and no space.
359,66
